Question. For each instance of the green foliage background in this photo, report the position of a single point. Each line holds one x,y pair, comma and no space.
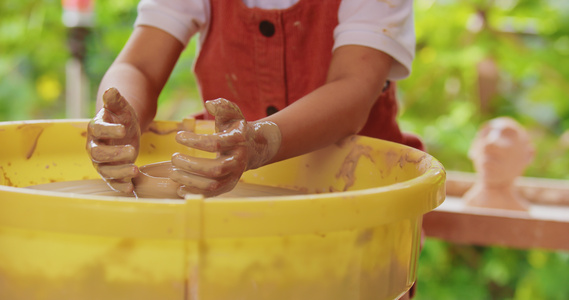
526,40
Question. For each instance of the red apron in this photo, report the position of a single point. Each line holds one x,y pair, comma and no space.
264,60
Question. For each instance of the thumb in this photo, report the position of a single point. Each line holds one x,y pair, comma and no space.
114,101
224,111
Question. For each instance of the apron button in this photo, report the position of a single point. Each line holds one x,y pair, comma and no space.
267,28
386,86
271,110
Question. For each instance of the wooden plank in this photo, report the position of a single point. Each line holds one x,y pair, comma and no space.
536,190
544,226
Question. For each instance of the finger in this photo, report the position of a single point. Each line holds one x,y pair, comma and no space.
224,111
121,186
212,168
205,142
211,142
118,110
197,183
105,130
204,186
112,154
114,101
123,171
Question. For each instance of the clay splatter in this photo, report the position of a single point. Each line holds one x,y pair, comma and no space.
7,180
364,237
348,168
31,133
230,79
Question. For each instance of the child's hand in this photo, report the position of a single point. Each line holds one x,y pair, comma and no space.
240,146
113,139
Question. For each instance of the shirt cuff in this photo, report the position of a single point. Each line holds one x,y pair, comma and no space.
400,69
183,32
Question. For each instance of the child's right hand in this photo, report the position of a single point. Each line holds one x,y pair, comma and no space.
113,139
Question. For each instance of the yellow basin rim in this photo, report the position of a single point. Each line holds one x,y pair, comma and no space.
198,217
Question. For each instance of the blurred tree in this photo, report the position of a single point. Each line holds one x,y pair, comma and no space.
32,59
448,272
480,59
114,23
477,60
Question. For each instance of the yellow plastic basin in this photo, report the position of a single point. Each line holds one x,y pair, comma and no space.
354,234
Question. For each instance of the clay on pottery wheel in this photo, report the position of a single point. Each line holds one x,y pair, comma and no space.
153,181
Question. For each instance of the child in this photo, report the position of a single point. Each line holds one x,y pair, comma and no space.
298,75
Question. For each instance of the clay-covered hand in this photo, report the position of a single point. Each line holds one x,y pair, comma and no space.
113,139
240,146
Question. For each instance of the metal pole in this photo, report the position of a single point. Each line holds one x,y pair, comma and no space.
78,17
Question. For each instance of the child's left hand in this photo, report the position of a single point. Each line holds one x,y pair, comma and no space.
240,146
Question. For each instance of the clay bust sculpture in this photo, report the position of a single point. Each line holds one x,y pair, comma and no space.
500,152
